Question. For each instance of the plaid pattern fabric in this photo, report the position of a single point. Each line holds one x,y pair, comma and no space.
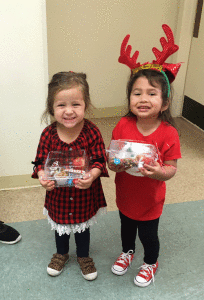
71,205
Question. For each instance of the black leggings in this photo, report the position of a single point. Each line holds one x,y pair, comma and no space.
82,243
148,234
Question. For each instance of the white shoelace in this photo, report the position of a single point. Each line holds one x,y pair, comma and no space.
125,257
147,268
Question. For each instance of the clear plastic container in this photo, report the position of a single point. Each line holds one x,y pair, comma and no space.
66,167
131,154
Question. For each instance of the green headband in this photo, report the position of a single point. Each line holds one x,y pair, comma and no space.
168,83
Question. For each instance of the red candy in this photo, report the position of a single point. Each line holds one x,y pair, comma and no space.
147,160
75,181
79,162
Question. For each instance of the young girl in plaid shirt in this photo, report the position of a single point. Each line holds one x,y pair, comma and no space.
71,209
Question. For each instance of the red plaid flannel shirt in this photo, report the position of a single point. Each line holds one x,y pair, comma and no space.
71,205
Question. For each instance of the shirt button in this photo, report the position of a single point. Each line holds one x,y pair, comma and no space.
71,198
70,214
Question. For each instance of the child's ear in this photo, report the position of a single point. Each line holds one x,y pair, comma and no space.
165,107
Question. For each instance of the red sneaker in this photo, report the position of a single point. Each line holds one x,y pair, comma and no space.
122,263
146,274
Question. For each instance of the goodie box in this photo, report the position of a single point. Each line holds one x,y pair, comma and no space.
131,154
66,167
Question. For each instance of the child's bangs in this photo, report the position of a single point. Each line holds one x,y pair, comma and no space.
155,79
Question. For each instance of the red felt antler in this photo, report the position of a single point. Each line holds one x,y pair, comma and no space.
168,47
125,58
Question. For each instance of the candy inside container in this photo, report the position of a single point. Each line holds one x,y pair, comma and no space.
66,167
131,154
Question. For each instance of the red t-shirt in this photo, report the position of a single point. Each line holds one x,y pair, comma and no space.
142,198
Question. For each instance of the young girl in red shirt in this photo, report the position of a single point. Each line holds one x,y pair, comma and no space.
140,199
71,209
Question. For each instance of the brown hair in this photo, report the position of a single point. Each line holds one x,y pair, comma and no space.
63,81
154,78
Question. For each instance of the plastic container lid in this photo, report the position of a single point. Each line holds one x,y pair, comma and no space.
132,154
65,167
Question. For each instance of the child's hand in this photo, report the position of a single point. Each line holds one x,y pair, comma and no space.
84,183
155,171
47,184
87,180
152,171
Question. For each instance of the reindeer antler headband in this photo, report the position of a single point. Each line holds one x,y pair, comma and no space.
169,70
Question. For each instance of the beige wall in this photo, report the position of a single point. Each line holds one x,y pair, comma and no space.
194,86
86,36
184,34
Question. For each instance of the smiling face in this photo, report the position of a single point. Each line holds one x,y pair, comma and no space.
69,108
146,100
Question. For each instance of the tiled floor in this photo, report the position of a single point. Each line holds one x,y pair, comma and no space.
180,275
